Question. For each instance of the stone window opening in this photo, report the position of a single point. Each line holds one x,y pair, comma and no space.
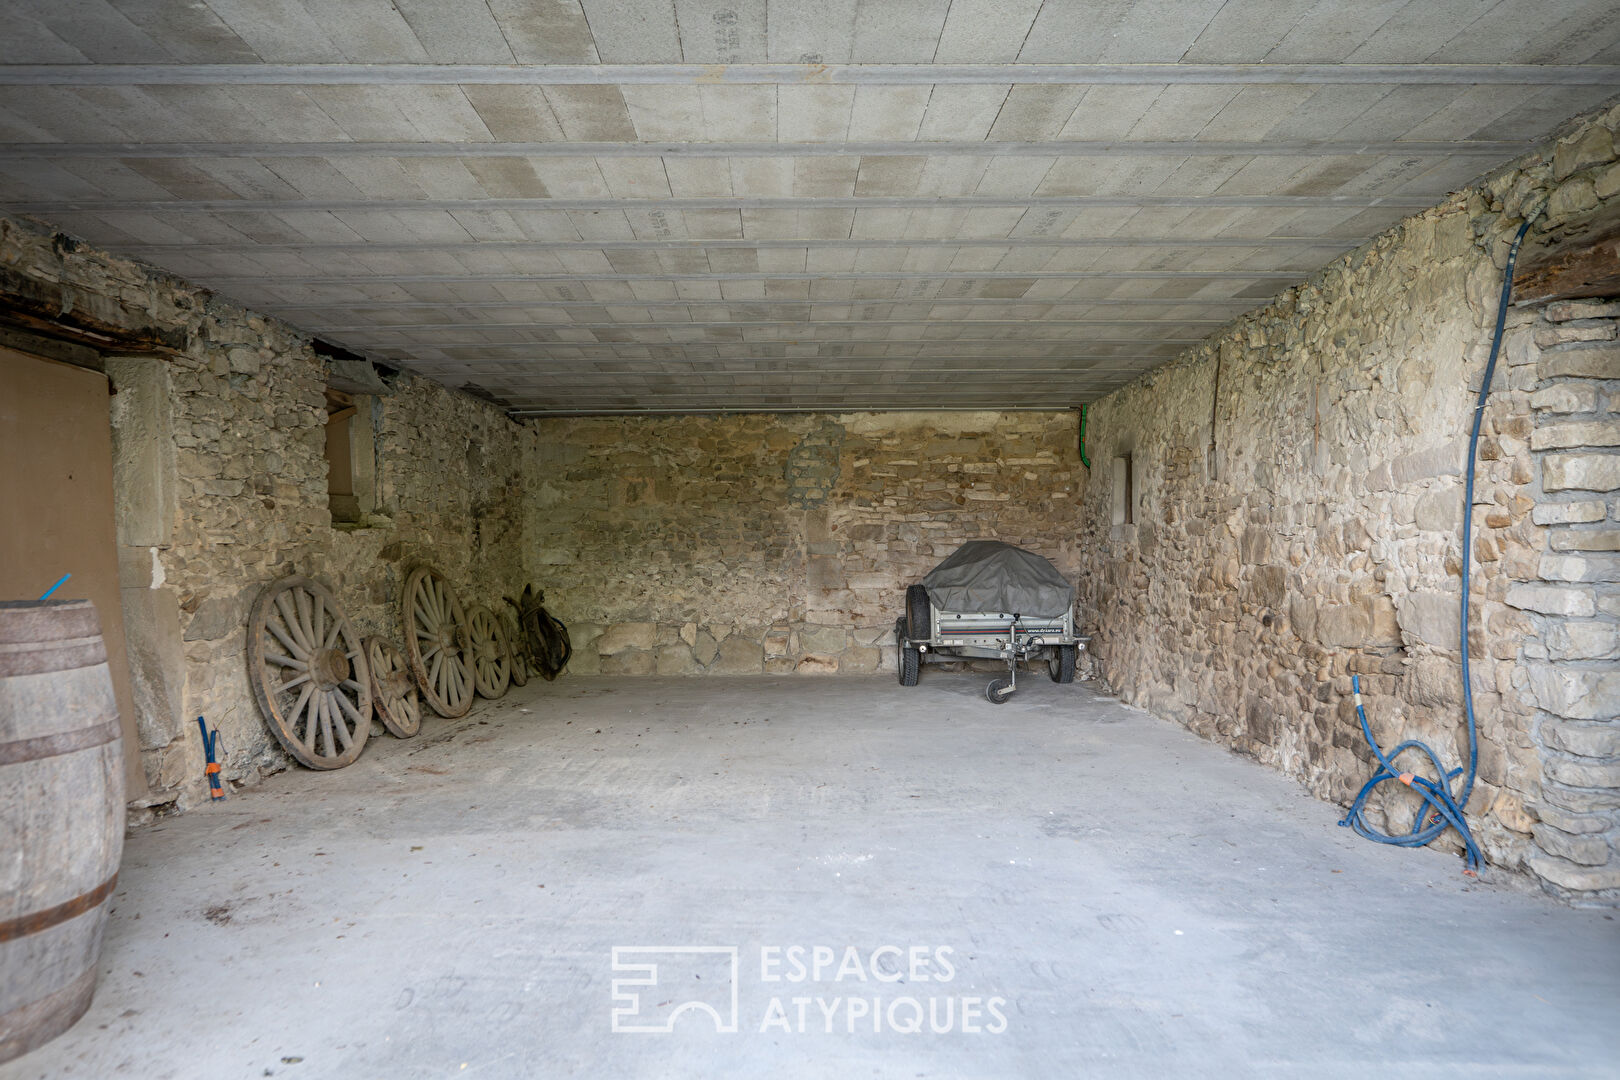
1124,490
350,486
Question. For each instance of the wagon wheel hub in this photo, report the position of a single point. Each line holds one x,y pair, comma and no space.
329,668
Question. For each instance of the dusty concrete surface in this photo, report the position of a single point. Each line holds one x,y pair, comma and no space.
1144,904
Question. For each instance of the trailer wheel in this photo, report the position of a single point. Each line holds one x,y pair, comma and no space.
1061,663
919,626
998,691
910,665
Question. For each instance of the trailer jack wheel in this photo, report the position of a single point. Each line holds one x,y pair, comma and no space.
999,691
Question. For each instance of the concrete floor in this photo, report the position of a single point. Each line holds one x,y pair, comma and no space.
1143,903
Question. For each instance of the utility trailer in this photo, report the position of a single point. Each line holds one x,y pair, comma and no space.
990,601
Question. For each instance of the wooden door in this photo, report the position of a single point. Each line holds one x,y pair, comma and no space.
56,505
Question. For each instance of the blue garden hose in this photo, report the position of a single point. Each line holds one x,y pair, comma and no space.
1447,810
1446,806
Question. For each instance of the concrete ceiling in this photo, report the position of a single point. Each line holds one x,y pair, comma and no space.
683,205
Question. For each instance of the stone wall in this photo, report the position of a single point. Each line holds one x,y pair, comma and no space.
221,482
1298,489
748,544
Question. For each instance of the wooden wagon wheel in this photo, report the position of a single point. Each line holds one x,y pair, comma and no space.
309,673
392,688
436,642
491,653
514,649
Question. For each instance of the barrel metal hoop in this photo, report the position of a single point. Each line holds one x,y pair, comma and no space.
45,657
36,921
38,1022
63,742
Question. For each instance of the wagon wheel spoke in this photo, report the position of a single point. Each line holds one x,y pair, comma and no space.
312,721
337,704
291,646
301,619
289,619
327,741
303,699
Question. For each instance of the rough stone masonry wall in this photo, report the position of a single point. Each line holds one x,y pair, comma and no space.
221,484
1300,498
748,544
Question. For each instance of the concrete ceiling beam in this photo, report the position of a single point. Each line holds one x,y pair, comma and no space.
806,74
518,247
1483,148
229,281
728,202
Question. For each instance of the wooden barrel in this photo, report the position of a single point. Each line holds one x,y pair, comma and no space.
61,815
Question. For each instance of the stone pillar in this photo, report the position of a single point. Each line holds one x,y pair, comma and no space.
145,506
1571,674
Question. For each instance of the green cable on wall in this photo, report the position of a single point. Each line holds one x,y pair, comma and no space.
1083,459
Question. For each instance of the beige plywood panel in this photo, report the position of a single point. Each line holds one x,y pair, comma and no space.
546,32
95,29
24,39
664,113
898,31
515,113
962,113
721,31
279,31
368,31
1159,33
56,483
634,31
985,31
801,33
456,33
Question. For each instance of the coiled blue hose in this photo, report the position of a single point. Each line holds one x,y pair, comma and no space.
1447,810
1446,806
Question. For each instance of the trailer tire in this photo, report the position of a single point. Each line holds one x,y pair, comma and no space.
1061,663
919,623
910,665
998,691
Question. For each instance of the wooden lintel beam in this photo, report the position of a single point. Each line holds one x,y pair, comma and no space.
1582,262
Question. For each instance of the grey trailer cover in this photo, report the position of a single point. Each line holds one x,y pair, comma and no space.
989,575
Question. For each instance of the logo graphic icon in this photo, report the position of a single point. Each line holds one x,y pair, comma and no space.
654,986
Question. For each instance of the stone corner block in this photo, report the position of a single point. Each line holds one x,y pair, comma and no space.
623,636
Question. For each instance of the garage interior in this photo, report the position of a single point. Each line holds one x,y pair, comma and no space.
721,323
